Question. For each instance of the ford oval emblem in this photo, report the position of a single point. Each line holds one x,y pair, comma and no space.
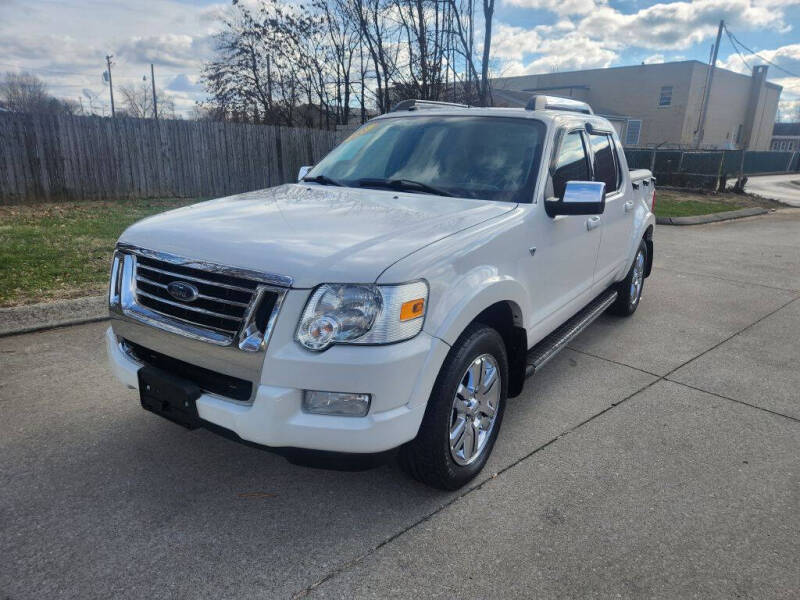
180,290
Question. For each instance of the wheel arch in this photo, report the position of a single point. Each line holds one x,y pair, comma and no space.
648,242
500,316
498,303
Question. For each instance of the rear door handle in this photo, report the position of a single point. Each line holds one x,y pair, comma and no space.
629,206
592,222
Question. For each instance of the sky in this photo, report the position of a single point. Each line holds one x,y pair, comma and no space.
65,42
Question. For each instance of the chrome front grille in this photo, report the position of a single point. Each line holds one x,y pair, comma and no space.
210,302
221,303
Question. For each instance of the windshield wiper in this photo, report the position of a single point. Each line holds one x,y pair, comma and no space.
323,179
402,184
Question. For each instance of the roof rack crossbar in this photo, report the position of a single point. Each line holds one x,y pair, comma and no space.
412,104
542,102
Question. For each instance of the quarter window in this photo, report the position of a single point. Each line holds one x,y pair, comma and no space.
665,98
571,164
605,168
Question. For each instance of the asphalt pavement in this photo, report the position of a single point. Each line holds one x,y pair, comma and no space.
658,457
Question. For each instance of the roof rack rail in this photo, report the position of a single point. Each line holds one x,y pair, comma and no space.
541,102
425,104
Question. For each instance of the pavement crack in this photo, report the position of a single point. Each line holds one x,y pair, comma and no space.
615,362
353,562
729,280
358,559
722,397
730,337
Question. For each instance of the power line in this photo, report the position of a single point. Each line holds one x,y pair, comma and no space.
735,47
735,41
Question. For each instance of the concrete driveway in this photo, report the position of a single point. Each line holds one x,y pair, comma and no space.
783,188
658,457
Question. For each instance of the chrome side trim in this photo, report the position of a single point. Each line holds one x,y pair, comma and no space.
268,278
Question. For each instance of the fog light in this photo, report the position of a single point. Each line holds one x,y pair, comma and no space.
336,403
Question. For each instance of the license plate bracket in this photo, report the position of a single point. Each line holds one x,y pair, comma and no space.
170,397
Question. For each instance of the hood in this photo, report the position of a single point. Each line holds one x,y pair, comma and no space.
311,233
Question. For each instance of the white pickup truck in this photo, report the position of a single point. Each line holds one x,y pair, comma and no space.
395,296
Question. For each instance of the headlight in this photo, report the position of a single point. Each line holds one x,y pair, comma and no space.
362,314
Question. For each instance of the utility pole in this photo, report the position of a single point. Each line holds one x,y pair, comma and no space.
110,84
707,96
153,81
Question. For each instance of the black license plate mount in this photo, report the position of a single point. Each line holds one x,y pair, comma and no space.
170,397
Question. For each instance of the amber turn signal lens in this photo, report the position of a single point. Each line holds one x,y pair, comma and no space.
412,309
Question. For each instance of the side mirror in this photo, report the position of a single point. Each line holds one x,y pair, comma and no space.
580,198
303,172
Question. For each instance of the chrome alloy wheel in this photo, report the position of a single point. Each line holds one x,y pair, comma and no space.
474,411
638,278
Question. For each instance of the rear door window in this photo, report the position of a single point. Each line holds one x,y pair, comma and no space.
605,161
572,163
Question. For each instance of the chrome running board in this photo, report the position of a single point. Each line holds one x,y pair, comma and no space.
545,350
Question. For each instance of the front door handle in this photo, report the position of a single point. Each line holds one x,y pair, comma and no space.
592,222
629,206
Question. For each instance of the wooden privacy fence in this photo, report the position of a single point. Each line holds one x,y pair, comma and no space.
62,157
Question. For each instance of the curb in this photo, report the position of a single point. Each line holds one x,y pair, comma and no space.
728,215
49,315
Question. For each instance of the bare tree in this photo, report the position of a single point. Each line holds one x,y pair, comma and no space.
138,102
26,93
280,62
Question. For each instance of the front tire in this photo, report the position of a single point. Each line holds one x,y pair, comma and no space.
629,290
464,412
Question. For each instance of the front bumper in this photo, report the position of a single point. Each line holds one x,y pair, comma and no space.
399,377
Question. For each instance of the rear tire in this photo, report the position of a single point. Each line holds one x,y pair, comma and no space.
629,290
464,412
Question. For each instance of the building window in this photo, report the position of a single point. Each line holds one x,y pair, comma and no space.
665,99
633,131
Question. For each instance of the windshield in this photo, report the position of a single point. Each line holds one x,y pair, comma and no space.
487,158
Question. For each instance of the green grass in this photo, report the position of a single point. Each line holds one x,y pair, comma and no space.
666,207
64,250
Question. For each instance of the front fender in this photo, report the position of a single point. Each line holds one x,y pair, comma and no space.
458,302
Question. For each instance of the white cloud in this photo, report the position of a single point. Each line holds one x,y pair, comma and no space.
561,7
65,43
678,25
787,57
547,48
654,59
168,49
594,34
